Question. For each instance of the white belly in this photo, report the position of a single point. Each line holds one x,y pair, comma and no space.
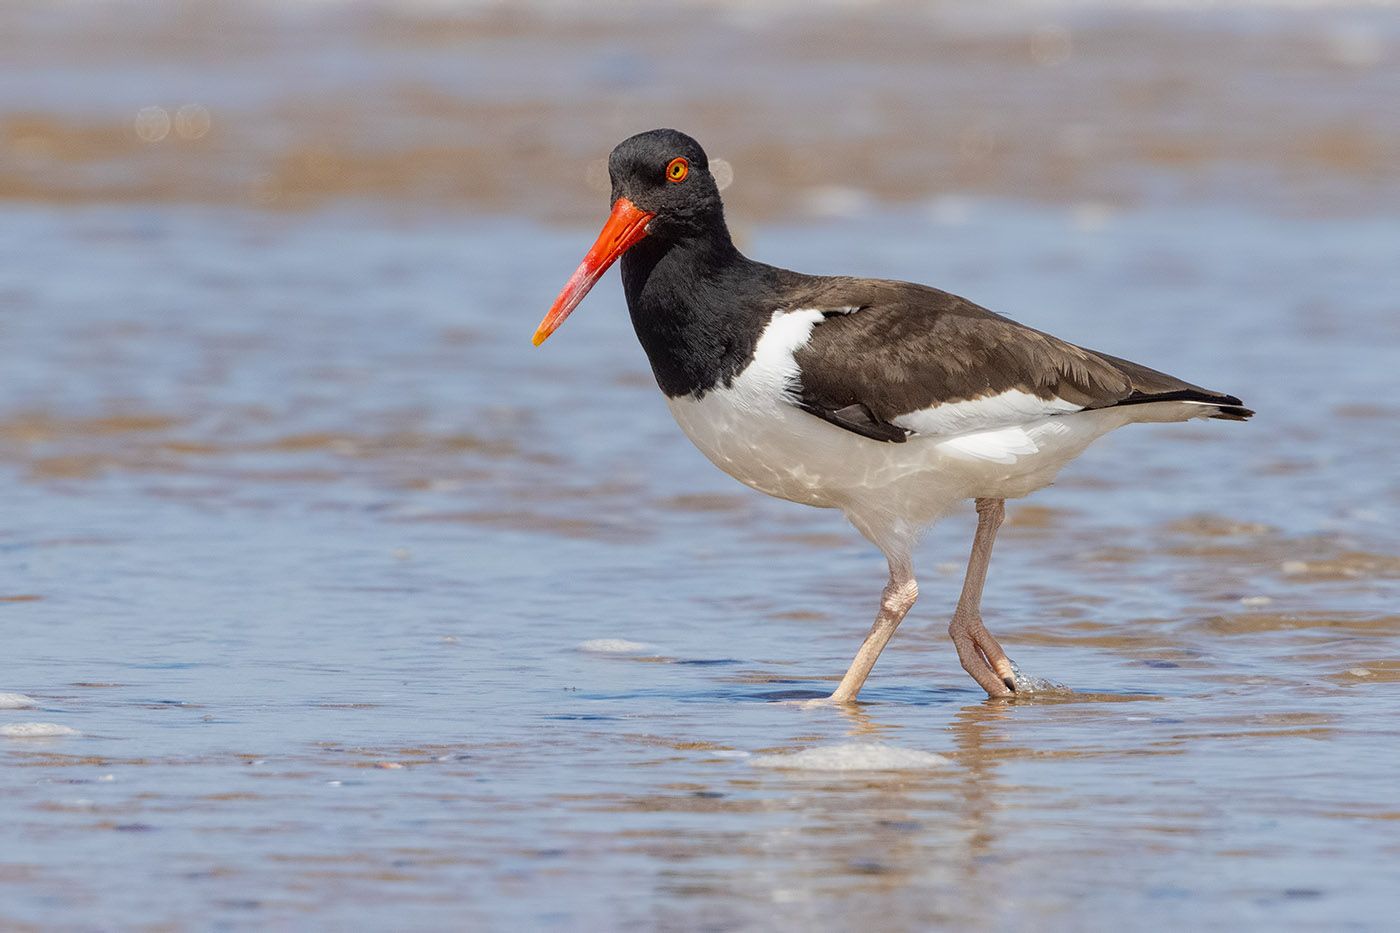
785,452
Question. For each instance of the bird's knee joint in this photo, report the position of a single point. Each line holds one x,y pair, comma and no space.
900,596
991,511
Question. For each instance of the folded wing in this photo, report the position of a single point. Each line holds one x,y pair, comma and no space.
892,359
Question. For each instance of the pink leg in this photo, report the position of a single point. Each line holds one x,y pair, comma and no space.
980,654
899,595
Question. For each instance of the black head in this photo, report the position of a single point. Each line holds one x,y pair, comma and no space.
662,192
666,173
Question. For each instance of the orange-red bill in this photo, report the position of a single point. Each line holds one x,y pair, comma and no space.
627,224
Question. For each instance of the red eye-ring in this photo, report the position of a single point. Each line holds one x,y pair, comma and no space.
677,169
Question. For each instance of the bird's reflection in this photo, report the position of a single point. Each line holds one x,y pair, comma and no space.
880,832
978,731
862,724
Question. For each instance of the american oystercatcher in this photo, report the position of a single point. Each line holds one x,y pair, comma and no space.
890,401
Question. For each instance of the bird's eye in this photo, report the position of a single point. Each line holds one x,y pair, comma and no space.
677,169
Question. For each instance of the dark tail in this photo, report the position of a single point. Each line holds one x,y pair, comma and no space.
1228,408
1150,385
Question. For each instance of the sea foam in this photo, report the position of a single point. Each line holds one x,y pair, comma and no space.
35,730
614,646
855,756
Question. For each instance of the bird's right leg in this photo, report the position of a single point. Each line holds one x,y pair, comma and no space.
900,593
980,654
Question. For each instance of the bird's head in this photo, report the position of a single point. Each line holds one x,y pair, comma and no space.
662,189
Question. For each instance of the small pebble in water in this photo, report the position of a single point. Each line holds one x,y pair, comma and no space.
1256,601
35,730
16,701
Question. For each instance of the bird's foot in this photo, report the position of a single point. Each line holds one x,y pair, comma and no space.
836,701
982,657
820,703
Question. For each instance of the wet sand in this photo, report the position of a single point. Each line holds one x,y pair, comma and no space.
501,107
359,611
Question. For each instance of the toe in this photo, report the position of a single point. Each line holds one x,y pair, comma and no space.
996,658
1002,665
976,665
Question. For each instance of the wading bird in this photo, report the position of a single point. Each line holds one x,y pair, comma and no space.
890,401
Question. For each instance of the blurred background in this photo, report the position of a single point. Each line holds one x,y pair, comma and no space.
499,107
326,599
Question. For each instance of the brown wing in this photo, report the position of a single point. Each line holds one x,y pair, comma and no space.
909,347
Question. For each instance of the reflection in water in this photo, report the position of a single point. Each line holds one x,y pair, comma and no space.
861,723
981,750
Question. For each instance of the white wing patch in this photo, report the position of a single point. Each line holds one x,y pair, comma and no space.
772,376
1006,445
1010,409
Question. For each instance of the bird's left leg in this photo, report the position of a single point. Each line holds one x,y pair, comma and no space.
980,654
900,593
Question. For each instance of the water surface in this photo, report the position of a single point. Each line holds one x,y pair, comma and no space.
366,613
309,557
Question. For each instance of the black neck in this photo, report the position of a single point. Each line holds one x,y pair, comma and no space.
698,306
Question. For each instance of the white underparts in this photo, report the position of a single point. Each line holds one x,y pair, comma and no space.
1002,446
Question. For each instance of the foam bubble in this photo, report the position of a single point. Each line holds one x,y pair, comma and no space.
35,730
16,701
614,646
1028,684
855,756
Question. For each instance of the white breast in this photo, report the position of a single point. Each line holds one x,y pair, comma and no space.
751,430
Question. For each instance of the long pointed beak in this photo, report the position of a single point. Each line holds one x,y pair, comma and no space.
626,226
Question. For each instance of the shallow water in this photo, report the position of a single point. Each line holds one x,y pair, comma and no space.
310,547
363,612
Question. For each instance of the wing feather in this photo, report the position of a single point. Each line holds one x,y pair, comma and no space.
913,359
